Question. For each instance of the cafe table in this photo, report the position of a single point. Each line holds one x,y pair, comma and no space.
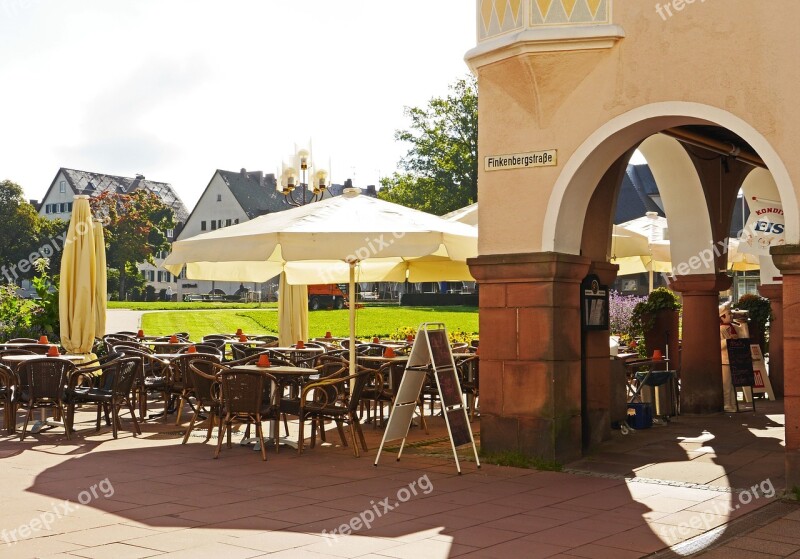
284,374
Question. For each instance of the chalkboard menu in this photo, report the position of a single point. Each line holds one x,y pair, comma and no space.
741,361
432,358
594,304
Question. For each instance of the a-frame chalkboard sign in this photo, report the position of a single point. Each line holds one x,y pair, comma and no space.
430,354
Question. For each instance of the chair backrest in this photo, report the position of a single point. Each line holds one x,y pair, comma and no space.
242,391
215,337
23,341
148,365
205,378
357,383
373,350
45,377
15,351
218,343
179,367
7,380
118,376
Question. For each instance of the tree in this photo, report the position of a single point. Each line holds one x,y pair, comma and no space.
440,171
136,226
26,235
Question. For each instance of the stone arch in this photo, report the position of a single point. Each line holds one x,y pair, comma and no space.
566,210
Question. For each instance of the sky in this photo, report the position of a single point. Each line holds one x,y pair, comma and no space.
176,89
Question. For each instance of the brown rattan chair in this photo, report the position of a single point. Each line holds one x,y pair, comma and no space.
243,401
206,393
179,383
152,376
41,384
332,399
109,386
8,381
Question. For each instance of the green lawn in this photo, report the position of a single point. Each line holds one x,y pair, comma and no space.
164,306
370,321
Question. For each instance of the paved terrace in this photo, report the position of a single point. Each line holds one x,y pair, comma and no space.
154,497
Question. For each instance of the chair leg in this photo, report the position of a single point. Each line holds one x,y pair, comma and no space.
211,420
97,423
133,417
25,425
300,439
179,411
260,432
354,421
313,433
355,442
189,428
340,428
67,426
219,435
114,418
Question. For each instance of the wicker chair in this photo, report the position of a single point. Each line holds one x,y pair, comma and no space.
8,381
41,384
206,393
331,399
152,376
468,373
108,385
179,383
243,401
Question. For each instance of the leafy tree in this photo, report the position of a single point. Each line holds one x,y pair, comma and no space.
25,234
440,171
136,229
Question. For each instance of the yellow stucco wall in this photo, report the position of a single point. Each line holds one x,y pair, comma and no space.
735,60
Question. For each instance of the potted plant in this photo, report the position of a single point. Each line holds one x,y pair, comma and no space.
657,319
759,313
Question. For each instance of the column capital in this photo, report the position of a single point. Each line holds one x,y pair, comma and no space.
606,271
772,291
786,258
700,284
525,267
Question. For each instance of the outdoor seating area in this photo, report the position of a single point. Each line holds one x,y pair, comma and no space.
217,382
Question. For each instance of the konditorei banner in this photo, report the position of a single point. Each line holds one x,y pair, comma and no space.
764,229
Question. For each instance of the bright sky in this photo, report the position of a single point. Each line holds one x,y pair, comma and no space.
176,89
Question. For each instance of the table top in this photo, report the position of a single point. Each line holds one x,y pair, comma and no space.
29,357
382,359
174,344
22,344
299,349
277,370
238,341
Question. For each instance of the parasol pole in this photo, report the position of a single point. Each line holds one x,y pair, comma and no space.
351,290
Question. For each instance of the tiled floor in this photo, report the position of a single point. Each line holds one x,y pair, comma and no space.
151,496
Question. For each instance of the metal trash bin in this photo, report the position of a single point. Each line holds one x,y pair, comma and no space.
659,389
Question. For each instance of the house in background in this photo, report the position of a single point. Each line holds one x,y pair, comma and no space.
233,197
68,183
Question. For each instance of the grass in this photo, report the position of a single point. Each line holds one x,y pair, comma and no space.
515,459
370,321
166,306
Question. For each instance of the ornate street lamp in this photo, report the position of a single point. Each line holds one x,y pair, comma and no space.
300,182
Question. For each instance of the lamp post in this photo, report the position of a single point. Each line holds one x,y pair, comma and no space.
300,182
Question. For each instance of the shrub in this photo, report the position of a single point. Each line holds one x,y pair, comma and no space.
758,309
620,314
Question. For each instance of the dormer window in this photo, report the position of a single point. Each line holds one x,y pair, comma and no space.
62,186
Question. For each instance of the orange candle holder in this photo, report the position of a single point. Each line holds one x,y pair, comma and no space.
300,344
239,332
328,335
242,338
53,351
140,334
192,349
657,355
389,352
43,340
376,340
263,360
173,339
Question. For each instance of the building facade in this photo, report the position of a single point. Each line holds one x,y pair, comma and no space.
569,89
57,204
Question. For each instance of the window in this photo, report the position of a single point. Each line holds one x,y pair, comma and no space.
62,187
213,225
170,233
202,226
160,276
228,222
167,276
219,197
63,207
236,221
152,275
219,224
69,206
47,208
